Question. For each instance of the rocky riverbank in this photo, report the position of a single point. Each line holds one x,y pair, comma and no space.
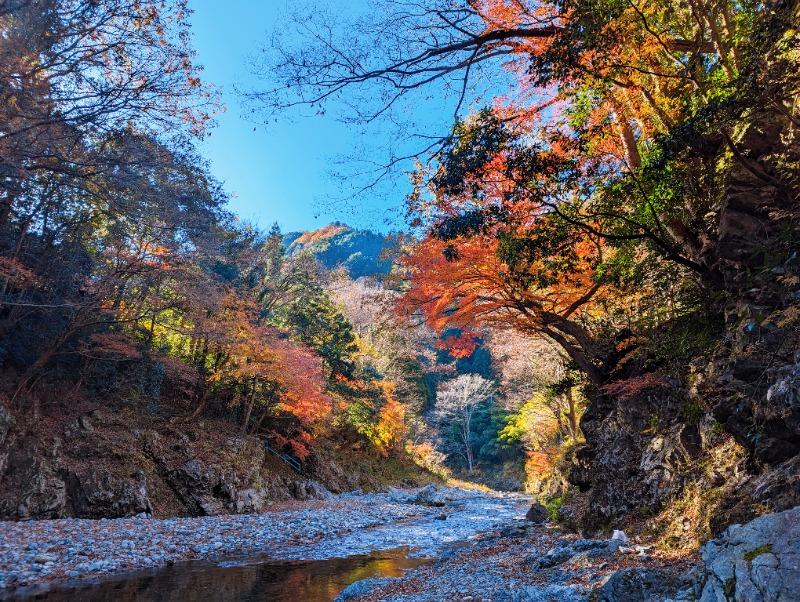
36,552
540,564
756,562
484,546
98,463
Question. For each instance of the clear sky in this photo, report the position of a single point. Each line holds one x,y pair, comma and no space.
276,172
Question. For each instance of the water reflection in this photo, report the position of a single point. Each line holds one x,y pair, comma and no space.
266,581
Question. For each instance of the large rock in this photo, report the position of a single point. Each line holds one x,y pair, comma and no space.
208,489
32,488
568,550
427,496
537,514
638,585
627,465
317,491
362,588
756,562
96,493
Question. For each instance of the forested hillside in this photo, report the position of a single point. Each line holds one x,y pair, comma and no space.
145,330
362,253
630,199
597,299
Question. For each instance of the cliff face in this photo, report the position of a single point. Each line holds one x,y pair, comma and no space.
120,461
718,438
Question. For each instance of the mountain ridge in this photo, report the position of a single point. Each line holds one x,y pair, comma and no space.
361,252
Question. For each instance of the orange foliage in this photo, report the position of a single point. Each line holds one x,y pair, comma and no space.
391,425
538,463
637,70
13,271
261,353
460,346
315,236
475,287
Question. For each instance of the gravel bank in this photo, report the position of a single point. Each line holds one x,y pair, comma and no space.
35,552
539,564
40,551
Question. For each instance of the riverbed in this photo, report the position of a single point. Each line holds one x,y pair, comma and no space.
294,551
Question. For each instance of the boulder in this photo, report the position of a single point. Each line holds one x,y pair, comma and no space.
317,491
538,593
249,500
537,513
362,588
567,550
638,585
756,562
32,487
96,493
428,495
626,464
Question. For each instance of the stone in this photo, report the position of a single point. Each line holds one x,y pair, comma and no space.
537,513
362,588
577,551
549,593
43,558
428,495
96,493
755,562
250,500
317,491
638,585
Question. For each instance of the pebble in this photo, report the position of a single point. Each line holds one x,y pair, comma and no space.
36,552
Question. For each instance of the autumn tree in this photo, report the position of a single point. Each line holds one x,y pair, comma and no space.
116,247
604,166
457,400
75,73
401,354
90,198
627,63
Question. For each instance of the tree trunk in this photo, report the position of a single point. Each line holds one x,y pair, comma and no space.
576,355
250,403
626,134
572,415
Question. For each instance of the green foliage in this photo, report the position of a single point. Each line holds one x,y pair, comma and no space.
681,340
553,505
314,320
691,410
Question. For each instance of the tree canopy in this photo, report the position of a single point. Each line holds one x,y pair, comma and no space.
600,172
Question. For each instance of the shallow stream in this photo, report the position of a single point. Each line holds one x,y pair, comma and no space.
307,572
252,580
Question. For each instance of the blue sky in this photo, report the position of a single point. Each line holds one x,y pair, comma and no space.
278,172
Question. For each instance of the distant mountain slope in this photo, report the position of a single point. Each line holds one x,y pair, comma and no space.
337,244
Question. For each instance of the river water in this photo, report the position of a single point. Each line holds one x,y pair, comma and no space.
251,580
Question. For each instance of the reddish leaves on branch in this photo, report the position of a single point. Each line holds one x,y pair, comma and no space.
458,346
638,385
473,286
